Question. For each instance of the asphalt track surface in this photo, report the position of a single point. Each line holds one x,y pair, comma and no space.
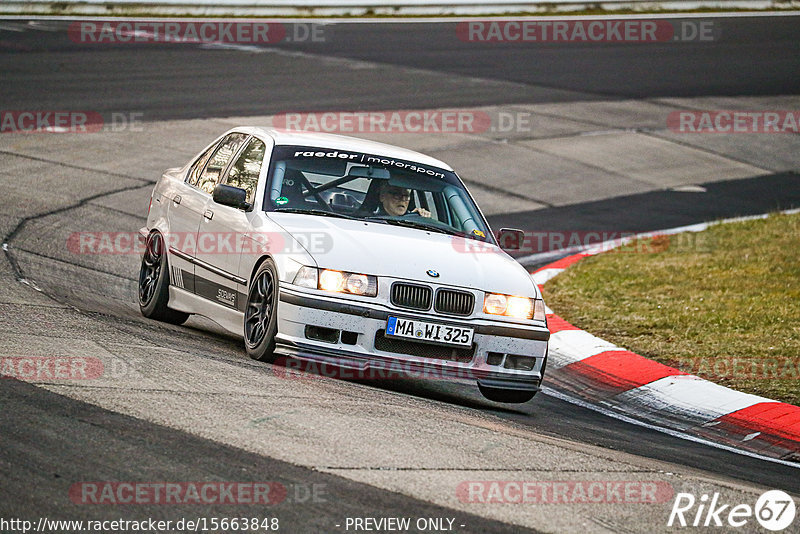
42,462
44,70
749,56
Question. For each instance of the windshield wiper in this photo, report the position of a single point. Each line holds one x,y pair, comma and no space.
324,213
396,222
414,224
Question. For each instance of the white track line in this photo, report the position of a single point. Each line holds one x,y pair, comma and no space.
690,397
570,346
675,433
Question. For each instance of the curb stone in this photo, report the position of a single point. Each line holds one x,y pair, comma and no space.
601,373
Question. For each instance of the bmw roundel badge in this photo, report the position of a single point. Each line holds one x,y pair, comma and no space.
432,273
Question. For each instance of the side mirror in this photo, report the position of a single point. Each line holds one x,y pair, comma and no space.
510,238
227,195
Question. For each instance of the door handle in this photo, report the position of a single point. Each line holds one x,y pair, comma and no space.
208,214
177,199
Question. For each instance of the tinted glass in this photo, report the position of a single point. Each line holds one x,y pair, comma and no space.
244,173
219,160
197,168
372,187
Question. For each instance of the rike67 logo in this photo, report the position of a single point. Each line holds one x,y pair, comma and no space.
774,510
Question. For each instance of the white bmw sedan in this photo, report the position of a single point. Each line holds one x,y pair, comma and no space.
343,252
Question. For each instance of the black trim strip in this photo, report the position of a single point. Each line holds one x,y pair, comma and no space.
207,266
326,305
508,331
181,255
218,293
354,309
214,292
360,361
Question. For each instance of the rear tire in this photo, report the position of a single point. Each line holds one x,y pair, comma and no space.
261,313
508,396
154,283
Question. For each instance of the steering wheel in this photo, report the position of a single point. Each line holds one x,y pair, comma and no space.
414,215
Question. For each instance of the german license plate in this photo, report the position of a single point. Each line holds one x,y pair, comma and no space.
425,331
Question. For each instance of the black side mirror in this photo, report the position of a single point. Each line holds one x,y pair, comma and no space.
235,197
510,238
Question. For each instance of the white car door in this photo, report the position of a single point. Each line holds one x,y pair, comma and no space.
185,208
222,231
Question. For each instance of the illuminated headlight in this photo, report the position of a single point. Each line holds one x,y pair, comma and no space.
512,306
331,280
337,281
520,307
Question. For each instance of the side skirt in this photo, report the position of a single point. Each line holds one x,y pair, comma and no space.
228,318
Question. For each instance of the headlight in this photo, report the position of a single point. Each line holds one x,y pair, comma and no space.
495,304
358,284
306,277
337,281
520,307
331,280
513,306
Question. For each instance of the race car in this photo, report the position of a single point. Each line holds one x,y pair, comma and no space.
344,252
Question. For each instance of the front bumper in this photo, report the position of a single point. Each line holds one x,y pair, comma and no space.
364,323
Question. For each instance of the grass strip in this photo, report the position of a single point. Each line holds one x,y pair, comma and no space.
723,304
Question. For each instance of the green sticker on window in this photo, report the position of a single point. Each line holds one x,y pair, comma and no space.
280,201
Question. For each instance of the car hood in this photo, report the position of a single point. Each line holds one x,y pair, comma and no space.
407,253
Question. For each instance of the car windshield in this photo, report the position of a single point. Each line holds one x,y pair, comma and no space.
348,184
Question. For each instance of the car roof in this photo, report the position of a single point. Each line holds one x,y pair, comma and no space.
342,142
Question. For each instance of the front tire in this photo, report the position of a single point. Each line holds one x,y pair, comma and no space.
261,313
154,283
508,396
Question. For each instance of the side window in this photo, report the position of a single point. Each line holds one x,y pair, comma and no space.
244,173
197,168
219,159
